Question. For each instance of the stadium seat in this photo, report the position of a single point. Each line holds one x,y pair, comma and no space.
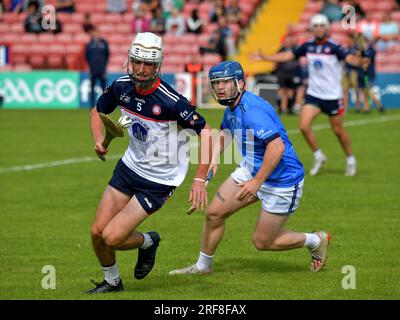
384,5
78,17
211,58
314,6
22,67
64,17
72,28
4,28
55,61
64,38
47,38
37,61
17,28
28,38
124,29
81,38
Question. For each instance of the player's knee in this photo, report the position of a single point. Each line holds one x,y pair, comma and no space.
304,128
111,238
262,243
215,215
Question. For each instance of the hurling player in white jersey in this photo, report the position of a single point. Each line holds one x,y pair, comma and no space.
324,92
270,172
150,169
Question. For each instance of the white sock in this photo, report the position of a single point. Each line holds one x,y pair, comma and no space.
318,154
148,241
312,241
111,274
204,262
351,160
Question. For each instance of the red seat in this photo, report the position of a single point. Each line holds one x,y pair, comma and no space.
47,38
72,28
81,38
28,38
77,17
55,61
211,58
22,67
37,61
64,38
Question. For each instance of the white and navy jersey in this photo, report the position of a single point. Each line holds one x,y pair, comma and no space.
157,151
324,68
253,124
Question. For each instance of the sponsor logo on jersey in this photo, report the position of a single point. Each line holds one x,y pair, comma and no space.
156,110
125,98
327,50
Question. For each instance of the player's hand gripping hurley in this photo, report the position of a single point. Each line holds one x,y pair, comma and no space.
208,179
112,130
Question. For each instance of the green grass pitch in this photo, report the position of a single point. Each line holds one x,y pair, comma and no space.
46,213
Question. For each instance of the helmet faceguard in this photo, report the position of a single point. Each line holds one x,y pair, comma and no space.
147,48
224,82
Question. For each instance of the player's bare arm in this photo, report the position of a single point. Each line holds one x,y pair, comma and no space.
96,126
272,156
198,193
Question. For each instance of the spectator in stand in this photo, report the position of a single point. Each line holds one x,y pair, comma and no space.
157,24
369,27
116,6
65,6
148,5
140,22
1,18
218,11
33,22
97,54
168,5
332,10
15,6
87,23
175,23
220,41
194,23
234,13
388,33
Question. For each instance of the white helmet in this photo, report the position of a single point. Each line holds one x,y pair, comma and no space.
319,19
146,47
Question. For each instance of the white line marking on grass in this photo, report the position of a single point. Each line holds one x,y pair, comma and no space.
58,163
353,123
53,164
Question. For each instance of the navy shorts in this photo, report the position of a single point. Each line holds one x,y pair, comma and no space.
151,195
329,107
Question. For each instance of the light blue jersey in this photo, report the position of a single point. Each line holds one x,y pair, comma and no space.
253,124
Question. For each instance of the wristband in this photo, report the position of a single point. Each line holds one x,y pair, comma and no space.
199,179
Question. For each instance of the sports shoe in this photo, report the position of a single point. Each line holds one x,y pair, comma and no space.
147,257
351,170
318,255
318,162
190,270
104,287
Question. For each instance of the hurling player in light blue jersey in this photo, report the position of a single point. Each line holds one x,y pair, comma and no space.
150,169
270,171
324,91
